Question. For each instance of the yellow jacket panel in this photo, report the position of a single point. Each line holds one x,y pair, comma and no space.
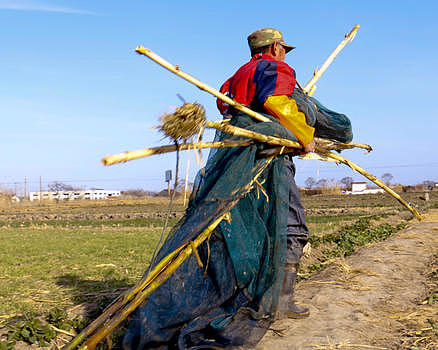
286,111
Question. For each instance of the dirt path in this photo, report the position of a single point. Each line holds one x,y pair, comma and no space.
370,300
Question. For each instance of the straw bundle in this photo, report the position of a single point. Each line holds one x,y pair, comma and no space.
185,122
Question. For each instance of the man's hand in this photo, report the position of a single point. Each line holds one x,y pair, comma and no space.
310,147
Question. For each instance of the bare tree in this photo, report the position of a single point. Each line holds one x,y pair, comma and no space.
59,186
138,192
387,177
310,182
182,184
322,183
428,185
347,181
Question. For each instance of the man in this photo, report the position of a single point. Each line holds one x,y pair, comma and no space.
266,84
244,274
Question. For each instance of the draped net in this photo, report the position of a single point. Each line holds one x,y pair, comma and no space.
232,299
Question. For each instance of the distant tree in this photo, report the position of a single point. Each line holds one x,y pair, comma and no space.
428,185
138,192
322,183
182,184
59,186
347,181
387,177
310,182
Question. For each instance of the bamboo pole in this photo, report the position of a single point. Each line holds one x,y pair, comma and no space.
122,300
176,70
186,182
339,146
170,263
236,131
369,176
319,150
142,295
146,152
312,90
317,74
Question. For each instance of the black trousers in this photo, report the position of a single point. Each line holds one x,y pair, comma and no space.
297,232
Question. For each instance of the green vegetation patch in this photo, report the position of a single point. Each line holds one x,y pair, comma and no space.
349,237
31,330
46,267
322,219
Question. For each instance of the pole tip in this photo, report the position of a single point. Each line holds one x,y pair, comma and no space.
139,49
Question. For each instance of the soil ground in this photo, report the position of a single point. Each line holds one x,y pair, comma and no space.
382,297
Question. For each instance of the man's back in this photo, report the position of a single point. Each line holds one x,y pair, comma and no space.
255,81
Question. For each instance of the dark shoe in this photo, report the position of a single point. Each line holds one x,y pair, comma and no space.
294,311
286,305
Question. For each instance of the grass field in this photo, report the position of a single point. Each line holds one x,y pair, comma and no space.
73,258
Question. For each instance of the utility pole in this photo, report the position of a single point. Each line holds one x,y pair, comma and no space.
41,189
25,187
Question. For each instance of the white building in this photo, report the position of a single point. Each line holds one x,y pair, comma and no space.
72,195
361,188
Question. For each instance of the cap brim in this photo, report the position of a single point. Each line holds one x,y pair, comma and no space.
288,47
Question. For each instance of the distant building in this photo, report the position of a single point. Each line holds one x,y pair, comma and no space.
72,195
361,188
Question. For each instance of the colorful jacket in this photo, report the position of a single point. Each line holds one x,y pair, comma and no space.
265,85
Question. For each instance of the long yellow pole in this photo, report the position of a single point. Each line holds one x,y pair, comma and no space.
309,88
122,300
142,295
158,276
146,152
175,69
369,176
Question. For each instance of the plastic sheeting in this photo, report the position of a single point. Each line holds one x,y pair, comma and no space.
232,300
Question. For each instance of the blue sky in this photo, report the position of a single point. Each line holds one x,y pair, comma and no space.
73,90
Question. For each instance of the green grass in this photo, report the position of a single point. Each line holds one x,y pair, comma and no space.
45,267
136,222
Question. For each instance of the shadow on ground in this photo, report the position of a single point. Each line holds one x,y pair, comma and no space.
91,297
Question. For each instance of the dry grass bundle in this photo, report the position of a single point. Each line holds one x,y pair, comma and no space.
185,122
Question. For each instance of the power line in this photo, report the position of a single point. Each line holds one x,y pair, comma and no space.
87,180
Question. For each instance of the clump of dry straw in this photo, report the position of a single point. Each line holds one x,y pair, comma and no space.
185,122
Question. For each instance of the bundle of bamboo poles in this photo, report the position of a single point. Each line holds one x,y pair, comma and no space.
272,140
323,152
123,306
